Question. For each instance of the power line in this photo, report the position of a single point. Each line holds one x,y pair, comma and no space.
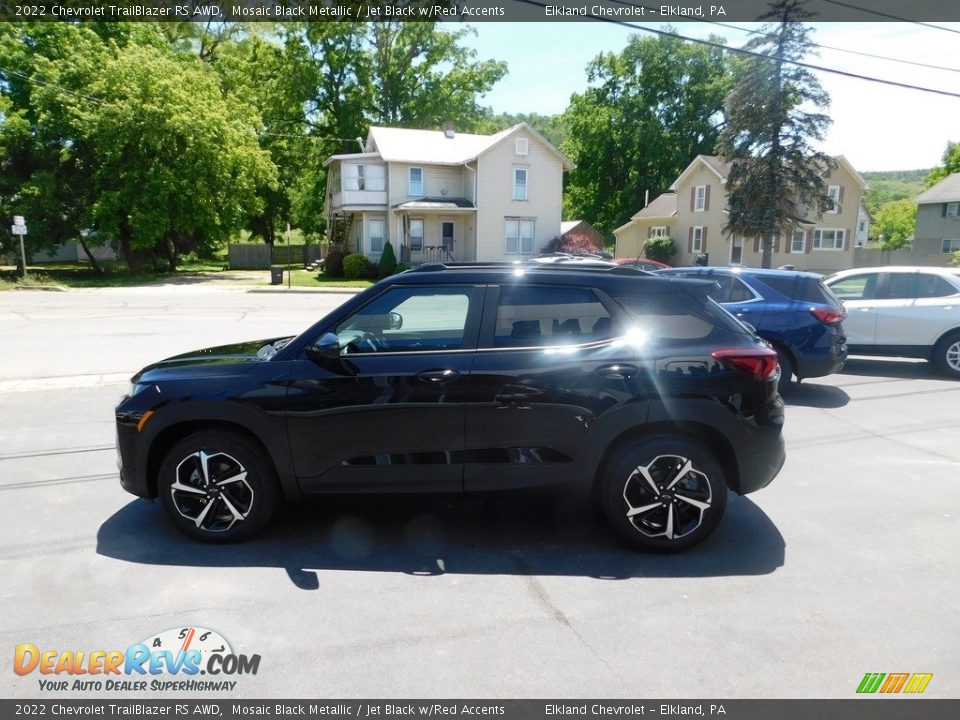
741,51
38,81
889,16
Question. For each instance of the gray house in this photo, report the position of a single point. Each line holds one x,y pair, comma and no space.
938,221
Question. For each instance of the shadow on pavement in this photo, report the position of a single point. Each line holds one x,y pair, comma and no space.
809,394
433,535
903,369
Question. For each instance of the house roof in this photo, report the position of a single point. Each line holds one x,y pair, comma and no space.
568,225
435,148
721,169
663,206
947,190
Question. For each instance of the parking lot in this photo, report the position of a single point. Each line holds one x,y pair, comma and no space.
845,565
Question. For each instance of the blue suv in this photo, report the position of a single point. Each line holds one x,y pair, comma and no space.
793,311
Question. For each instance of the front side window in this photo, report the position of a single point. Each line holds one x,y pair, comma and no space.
416,182
519,236
376,236
828,239
519,184
833,193
416,234
532,316
408,319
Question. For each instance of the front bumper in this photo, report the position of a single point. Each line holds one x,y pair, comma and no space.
130,460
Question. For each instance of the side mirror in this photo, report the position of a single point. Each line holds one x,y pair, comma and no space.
327,347
396,321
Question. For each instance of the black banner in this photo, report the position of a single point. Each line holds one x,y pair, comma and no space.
632,11
874,708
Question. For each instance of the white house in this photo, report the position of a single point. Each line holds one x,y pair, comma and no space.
444,195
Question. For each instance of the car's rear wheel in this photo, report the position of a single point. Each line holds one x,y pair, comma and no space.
665,493
946,355
218,486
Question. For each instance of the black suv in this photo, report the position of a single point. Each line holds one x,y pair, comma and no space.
640,389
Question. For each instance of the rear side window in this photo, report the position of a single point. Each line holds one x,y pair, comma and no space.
918,285
856,287
674,315
532,315
802,289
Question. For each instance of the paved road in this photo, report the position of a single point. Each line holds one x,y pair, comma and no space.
845,564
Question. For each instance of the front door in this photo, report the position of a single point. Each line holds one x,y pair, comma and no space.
388,414
446,237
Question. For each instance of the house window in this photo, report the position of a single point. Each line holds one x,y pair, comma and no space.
828,239
658,231
519,184
519,236
950,245
700,198
363,177
798,242
416,182
833,193
522,146
375,232
862,226
953,209
361,184
416,235
696,244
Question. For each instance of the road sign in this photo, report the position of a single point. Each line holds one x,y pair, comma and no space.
18,220
19,229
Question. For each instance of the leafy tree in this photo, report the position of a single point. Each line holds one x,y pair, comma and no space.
776,177
553,127
894,223
951,164
649,111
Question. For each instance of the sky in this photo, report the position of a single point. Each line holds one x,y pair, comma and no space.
876,127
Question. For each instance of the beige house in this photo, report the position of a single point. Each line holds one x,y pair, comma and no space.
444,195
938,221
693,213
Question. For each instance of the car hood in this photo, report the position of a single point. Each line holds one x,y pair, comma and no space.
212,361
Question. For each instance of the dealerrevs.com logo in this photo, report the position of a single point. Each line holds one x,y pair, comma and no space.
171,660
894,683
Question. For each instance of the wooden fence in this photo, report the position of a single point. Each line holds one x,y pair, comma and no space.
256,256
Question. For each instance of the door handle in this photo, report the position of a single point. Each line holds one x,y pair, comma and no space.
438,377
616,372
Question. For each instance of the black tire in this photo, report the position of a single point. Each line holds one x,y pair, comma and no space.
662,456
784,384
227,511
946,355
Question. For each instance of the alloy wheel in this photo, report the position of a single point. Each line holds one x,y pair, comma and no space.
667,498
211,490
952,356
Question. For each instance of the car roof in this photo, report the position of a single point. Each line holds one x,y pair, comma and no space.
951,271
758,272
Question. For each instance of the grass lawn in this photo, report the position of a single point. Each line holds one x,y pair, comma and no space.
311,278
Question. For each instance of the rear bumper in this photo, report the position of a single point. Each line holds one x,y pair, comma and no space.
760,460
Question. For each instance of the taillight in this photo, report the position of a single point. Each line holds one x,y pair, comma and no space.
758,363
827,316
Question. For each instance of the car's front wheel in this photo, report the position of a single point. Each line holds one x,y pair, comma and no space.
218,486
946,355
665,493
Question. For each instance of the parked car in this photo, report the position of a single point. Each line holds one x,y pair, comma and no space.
636,388
791,310
563,258
642,263
903,312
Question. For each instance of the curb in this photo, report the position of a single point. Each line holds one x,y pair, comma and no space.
336,291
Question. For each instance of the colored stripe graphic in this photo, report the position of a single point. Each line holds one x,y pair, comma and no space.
894,682
870,682
918,682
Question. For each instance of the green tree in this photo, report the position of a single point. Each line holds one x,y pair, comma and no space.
649,111
178,163
894,223
951,164
776,177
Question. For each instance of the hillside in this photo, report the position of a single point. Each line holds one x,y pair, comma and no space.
889,185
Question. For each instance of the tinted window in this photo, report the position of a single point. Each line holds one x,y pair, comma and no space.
535,316
856,287
678,316
800,288
918,285
732,289
408,319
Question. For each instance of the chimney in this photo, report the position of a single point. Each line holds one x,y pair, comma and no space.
448,130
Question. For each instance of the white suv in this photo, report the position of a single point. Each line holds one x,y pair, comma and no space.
902,311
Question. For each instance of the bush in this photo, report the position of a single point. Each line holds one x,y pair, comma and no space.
659,248
956,258
388,262
333,264
355,266
574,243
371,271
